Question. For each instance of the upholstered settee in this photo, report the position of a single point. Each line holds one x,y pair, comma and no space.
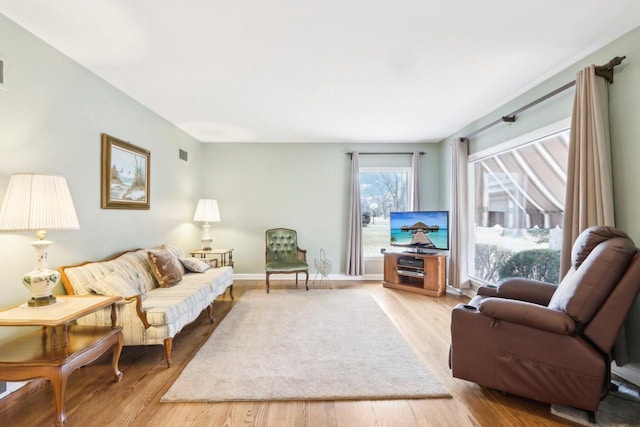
162,289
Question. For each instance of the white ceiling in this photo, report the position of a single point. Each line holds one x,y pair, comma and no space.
324,70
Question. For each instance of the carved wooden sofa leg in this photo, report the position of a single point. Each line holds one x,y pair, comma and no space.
210,313
168,345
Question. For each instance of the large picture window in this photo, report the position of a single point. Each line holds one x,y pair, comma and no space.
382,190
517,197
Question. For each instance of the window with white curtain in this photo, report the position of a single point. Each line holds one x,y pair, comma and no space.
517,192
382,190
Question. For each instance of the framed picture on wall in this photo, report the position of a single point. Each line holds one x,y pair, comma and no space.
125,175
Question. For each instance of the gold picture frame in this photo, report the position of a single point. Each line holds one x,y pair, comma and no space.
125,175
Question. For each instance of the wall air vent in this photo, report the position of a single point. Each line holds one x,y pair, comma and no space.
183,155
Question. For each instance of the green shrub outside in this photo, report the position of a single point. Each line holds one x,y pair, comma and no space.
537,264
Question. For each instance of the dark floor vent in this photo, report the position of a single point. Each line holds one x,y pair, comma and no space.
183,155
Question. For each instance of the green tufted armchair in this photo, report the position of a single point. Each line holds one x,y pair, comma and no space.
283,254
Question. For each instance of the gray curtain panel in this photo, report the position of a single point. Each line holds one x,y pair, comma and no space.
589,197
355,260
459,214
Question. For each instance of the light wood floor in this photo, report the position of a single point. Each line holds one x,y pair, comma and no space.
94,399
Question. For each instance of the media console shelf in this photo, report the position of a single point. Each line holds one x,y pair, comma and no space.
424,274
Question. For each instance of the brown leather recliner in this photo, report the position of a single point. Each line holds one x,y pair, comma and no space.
546,342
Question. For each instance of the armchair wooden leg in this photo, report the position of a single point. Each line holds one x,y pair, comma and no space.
267,282
306,281
296,280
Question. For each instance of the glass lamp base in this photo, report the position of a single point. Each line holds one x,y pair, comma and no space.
206,243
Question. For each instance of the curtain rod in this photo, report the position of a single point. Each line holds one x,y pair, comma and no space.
604,71
392,153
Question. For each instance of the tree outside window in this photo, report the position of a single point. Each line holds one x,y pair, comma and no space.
382,190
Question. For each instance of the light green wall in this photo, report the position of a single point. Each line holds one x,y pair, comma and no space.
624,107
53,112
51,118
300,186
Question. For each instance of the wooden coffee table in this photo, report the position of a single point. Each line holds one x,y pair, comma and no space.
59,348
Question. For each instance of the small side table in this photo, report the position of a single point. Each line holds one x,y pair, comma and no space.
219,258
59,349
222,257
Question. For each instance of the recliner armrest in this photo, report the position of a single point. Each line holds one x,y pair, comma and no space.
488,291
526,290
528,314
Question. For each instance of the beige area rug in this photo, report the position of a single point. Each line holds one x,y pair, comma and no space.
299,345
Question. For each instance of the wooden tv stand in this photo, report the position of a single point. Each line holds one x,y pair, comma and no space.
421,273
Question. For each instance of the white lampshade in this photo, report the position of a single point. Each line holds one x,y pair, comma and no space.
41,203
207,211
38,202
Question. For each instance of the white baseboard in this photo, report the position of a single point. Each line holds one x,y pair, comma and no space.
292,277
11,387
630,372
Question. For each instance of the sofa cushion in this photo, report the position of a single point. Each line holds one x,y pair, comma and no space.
170,305
194,264
114,284
217,279
82,276
135,266
165,267
285,266
132,264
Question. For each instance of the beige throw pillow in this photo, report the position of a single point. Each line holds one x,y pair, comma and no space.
165,267
194,264
114,284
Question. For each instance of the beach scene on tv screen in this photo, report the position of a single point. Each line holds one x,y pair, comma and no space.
419,229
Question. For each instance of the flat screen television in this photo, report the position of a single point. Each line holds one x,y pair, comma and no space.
420,231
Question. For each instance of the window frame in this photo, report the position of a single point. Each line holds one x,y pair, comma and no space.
494,150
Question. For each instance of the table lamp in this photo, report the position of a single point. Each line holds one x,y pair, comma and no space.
207,210
40,203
